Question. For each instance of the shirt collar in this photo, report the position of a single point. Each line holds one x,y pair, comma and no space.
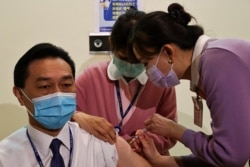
195,61
114,74
42,140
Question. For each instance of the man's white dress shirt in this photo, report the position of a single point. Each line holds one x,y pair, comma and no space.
88,151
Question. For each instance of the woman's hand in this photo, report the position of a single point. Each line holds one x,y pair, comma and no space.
135,145
148,148
163,126
152,155
97,126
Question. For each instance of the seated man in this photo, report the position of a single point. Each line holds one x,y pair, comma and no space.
44,84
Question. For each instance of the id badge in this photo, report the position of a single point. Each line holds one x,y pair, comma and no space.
198,110
118,129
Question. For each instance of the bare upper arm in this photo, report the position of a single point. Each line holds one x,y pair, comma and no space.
127,157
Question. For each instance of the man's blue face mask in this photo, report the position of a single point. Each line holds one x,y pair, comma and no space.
54,110
127,69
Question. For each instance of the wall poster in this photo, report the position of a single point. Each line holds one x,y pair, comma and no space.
107,11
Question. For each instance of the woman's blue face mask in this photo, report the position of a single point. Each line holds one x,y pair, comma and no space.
127,69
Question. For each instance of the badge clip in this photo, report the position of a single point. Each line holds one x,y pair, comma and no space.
198,110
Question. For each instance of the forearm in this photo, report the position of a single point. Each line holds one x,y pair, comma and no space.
176,130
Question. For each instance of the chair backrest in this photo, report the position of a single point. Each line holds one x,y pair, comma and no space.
12,117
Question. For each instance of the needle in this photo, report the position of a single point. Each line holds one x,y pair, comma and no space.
135,137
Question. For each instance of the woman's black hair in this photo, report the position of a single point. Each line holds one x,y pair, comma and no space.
122,30
158,28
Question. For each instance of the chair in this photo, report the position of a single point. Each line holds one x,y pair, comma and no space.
12,117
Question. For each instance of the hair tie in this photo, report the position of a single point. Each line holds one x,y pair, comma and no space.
174,14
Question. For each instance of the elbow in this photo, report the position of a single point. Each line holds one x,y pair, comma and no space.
231,161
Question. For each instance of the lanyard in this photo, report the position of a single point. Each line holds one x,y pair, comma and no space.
37,154
123,114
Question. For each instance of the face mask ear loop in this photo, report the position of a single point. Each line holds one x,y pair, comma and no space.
29,100
110,55
26,96
30,112
172,65
158,58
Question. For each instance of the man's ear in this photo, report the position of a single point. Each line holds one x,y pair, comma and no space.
19,95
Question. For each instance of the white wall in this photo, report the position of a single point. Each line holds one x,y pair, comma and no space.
67,24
